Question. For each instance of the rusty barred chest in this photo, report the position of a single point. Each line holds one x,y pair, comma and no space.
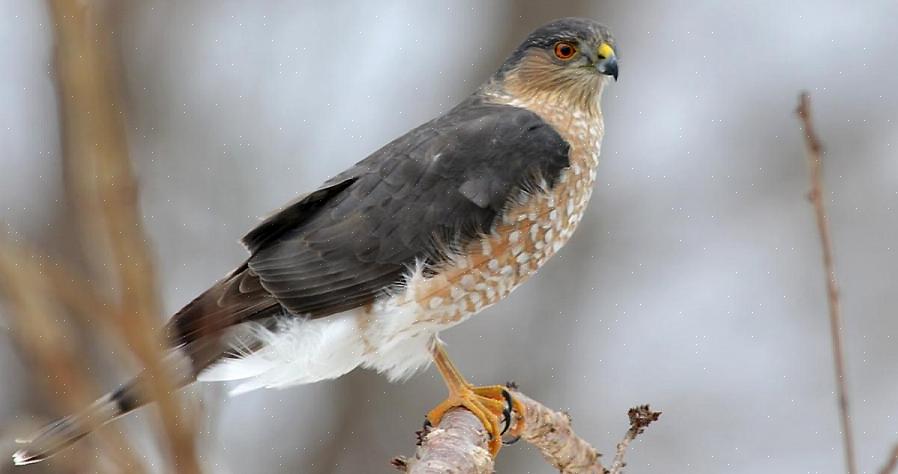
529,234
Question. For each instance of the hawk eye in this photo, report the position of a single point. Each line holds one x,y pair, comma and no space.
565,50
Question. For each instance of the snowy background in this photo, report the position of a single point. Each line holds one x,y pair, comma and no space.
694,282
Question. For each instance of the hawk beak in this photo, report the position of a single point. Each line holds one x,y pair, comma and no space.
607,63
608,67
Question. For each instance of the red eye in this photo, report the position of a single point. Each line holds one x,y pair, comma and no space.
565,50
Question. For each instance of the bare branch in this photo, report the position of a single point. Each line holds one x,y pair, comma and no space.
37,325
891,463
551,432
105,193
459,443
814,155
29,288
640,418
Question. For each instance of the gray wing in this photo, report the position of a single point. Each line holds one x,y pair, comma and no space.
443,183
435,188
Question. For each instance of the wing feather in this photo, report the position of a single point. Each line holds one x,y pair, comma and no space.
436,188
441,185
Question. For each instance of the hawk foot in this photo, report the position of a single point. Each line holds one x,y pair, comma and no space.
488,404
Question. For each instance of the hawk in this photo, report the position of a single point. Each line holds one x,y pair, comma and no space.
427,231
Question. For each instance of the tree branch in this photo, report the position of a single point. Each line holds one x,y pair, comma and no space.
104,190
31,290
458,444
891,463
814,155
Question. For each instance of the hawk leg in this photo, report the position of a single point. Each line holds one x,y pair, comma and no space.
487,403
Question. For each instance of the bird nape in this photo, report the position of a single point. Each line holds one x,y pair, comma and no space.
434,227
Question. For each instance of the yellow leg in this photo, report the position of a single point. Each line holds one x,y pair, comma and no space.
487,403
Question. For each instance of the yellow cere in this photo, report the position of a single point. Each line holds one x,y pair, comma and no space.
605,50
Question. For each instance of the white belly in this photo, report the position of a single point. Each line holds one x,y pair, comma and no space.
384,337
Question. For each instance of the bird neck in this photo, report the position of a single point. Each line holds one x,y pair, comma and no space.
556,105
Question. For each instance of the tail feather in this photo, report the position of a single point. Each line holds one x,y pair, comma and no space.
60,434
182,364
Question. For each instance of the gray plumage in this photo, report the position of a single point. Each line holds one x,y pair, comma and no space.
434,189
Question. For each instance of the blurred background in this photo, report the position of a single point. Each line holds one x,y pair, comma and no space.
694,282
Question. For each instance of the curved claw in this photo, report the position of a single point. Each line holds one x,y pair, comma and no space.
507,411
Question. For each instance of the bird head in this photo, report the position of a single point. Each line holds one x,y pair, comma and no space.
567,58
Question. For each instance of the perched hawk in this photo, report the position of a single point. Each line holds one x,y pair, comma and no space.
434,227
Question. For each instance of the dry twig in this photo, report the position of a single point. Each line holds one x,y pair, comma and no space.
640,418
458,444
814,155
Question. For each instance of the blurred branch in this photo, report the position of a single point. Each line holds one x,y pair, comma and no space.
37,326
105,193
814,154
891,463
30,290
69,287
459,442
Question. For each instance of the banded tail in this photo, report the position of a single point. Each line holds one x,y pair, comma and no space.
203,333
64,432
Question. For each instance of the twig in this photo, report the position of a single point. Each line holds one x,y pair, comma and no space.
640,418
814,154
458,444
105,192
891,463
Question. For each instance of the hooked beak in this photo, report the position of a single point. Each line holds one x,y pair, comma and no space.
607,63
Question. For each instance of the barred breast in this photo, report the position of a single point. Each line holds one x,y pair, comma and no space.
395,333
531,231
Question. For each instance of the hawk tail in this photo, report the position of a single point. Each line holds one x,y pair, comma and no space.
206,331
60,434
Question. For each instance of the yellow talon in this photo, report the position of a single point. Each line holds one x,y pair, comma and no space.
487,403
